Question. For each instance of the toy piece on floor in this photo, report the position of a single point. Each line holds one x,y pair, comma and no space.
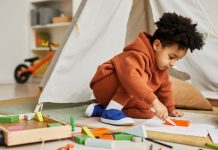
100,143
54,124
75,134
67,147
137,139
9,119
212,145
1,138
80,139
87,132
184,123
137,131
106,137
72,123
38,116
29,116
100,131
122,136
16,128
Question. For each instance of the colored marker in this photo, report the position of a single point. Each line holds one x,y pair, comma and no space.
211,145
157,142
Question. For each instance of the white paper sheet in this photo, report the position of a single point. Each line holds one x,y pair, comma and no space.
214,135
155,124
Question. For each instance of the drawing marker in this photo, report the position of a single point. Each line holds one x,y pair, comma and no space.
157,142
211,145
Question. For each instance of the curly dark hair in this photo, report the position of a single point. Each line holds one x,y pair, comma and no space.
173,28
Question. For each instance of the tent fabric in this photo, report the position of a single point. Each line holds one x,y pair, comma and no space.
106,26
101,36
201,65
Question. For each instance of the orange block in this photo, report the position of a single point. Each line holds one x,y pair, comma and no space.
99,131
107,137
67,147
184,123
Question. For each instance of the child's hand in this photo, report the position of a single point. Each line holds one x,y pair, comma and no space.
160,110
176,113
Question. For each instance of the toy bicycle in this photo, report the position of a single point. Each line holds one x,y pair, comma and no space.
23,72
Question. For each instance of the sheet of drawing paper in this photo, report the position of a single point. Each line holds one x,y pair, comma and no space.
214,135
155,124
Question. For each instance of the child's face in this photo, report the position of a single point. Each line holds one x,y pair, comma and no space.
167,56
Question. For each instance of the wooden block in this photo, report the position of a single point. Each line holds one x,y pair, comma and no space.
67,147
29,116
122,136
16,128
72,123
137,131
137,139
54,124
106,137
75,134
38,116
87,132
184,123
100,131
100,143
80,139
9,119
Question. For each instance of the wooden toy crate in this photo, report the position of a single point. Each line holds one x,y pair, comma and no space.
34,131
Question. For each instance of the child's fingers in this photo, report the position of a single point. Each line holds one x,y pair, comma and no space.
163,116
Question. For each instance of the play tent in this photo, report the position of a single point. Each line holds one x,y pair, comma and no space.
101,29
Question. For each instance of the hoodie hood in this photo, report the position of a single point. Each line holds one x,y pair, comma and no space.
142,44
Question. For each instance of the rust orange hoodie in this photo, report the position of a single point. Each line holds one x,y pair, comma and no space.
138,74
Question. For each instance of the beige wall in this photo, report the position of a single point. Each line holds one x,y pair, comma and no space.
14,26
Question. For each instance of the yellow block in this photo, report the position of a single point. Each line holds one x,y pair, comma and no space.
87,132
38,116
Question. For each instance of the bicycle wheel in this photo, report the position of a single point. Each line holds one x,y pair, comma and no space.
21,78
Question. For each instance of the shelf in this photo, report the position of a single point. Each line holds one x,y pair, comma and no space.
54,25
41,1
42,49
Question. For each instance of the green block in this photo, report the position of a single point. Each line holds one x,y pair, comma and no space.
9,119
80,139
72,123
54,124
122,136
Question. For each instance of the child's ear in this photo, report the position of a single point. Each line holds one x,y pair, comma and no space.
156,45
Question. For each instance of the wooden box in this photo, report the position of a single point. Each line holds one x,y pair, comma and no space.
34,131
61,19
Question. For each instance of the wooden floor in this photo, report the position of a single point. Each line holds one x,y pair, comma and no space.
13,91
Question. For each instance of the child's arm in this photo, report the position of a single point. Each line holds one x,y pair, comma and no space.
164,94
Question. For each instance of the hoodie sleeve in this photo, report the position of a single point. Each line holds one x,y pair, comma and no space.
130,72
164,93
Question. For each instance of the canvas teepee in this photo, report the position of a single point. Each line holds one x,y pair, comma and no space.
105,27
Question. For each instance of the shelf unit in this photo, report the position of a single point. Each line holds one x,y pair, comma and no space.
56,31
